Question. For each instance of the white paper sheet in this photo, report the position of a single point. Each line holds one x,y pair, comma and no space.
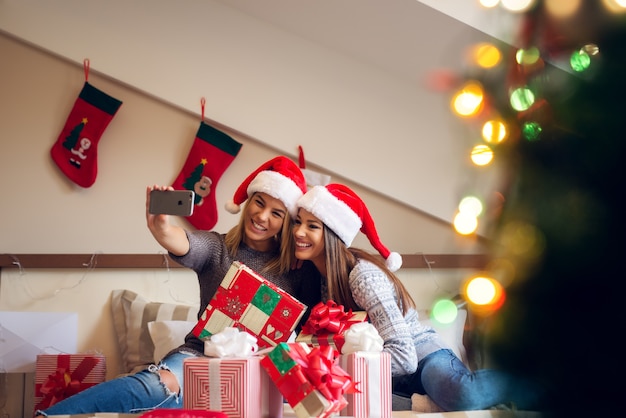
23,335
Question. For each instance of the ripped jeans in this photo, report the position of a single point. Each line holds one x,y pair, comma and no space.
135,393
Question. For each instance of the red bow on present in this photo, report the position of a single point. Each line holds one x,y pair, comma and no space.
59,386
63,383
328,317
321,369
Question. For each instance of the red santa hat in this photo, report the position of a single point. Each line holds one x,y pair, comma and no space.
343,211
279,177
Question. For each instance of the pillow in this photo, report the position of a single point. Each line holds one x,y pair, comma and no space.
452,334
167,335
131,314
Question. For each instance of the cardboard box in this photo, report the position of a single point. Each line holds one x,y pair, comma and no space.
239,387
249,302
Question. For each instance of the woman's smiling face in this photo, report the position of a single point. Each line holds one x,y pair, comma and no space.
308,233
264,217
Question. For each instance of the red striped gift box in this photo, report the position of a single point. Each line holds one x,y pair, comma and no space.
239,387
59,376
372,371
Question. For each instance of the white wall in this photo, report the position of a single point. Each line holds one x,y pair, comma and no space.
147,142
354,119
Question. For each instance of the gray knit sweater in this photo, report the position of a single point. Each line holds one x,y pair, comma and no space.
405,337
210,259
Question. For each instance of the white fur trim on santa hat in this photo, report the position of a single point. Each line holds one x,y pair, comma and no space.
232,207
334,213
394,261
278,186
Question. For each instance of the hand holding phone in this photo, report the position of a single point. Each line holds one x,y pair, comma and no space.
172,202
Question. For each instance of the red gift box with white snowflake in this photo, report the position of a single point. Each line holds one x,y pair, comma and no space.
59,376
249,302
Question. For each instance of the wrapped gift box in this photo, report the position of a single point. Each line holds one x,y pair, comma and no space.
59,376
249,302
310,379
238,387
373,372
327,323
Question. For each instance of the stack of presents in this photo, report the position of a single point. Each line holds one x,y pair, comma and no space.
254,363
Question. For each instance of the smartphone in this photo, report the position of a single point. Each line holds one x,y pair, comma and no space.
172,202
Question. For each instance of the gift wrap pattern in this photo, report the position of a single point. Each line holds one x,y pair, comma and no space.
373,372
249,302
239,387
59,376
327,323
292,366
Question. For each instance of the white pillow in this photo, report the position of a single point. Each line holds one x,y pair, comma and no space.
167,335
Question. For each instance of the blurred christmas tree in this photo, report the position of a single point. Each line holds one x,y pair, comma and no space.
561,94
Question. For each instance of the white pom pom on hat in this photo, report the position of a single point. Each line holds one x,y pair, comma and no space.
279,177
343,211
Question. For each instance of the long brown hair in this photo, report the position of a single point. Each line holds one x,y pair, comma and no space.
284,241
340,260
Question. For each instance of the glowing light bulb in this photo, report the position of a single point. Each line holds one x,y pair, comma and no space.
471,205
486,55
485,294
494,131
522,99
444,311
489,3
465,223
531,131
580,61
481,155
517,5
469,100
481,291
527,56
562,8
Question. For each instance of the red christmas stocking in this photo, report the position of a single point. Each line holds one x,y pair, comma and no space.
210,155
76,150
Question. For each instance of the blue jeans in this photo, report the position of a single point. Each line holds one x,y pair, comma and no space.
453,387
139,392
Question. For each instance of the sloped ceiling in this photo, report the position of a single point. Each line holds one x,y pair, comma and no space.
342,78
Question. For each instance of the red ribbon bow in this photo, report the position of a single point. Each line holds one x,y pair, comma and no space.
327,317
59,386
62,383
321,369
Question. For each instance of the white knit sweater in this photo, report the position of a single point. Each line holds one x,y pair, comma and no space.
405,337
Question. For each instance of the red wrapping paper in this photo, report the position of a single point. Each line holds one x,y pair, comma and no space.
309,378
59,376
249,302
327,323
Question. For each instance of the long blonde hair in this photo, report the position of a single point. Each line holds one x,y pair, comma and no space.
340,260
284,240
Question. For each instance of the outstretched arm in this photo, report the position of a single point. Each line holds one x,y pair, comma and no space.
171,237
